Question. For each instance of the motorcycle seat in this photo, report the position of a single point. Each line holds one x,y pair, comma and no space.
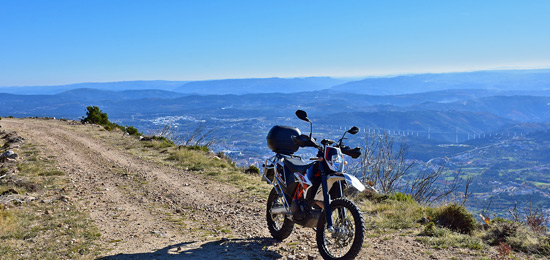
297,165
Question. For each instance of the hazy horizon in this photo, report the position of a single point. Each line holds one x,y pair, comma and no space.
345,78
67,42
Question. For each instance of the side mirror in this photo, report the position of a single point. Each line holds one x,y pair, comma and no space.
302,115
354,130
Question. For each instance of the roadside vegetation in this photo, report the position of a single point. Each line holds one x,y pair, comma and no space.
450,225
38,220
95,116
429,202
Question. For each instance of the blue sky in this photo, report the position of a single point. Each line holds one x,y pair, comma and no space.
61,42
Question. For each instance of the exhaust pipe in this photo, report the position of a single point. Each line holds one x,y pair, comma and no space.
278,210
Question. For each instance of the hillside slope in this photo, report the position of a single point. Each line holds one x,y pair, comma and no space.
145,206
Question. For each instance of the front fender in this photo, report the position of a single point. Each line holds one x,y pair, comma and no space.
353,181
350,179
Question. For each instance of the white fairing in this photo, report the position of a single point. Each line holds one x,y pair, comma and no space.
350,179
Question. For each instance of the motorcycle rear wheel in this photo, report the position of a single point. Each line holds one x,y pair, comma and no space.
279,225
347,239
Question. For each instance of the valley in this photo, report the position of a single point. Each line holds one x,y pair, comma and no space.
490,125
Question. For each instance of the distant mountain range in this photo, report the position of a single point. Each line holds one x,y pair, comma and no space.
108,86
207,87
504,80
535,82
248,86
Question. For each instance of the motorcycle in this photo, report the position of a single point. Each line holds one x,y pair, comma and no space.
311,194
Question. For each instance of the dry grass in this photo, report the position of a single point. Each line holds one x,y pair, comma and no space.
40,224
389,213
218,168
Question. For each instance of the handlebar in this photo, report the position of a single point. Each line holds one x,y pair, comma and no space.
304,141
353,153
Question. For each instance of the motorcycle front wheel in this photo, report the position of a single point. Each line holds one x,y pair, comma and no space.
279,225
346,240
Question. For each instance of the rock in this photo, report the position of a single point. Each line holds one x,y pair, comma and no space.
64,198
9,154
9,191
147,138
13,138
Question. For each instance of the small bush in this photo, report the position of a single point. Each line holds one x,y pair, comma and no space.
429,230
163,140
456,218
529,242
536,220
132,131
403,197
252,170
197,148
159,144
500,231
503,251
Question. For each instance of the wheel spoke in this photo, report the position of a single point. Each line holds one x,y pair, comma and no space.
347,239
340,242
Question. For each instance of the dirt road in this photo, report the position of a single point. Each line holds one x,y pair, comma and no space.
147,210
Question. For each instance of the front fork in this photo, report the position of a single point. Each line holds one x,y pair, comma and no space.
328,209
326,198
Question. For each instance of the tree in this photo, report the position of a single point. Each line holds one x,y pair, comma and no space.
383,165
95,116
386,166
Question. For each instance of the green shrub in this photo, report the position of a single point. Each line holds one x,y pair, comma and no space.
197,148
96,116
132,131
500,230
429,230
403,197
252,170
163,139
456,218
529,242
